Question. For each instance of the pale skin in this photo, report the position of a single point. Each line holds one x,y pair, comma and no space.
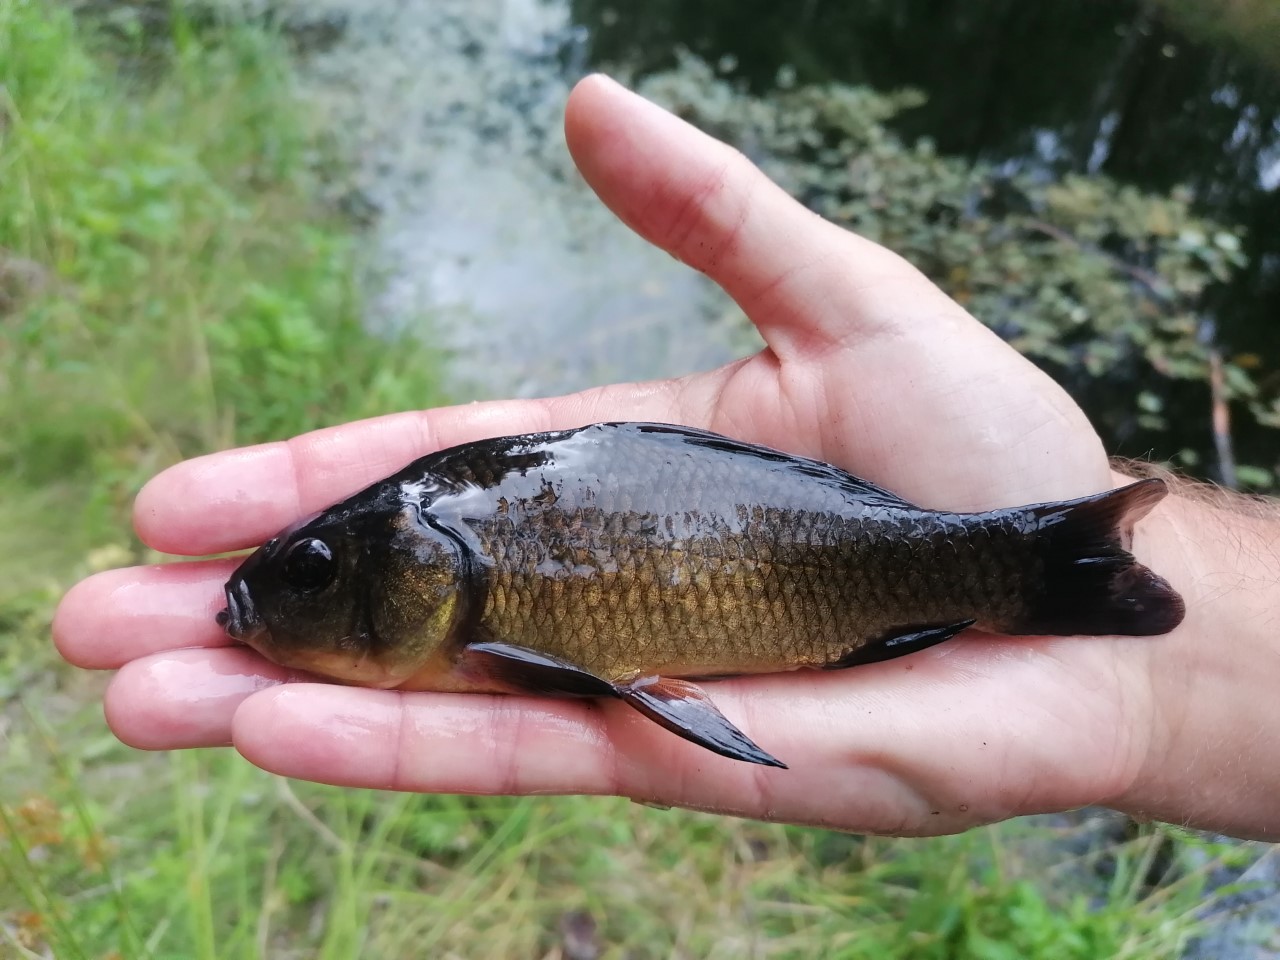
868,366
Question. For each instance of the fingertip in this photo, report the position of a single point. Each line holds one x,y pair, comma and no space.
115,616
157,508
133,720
145,510
614,134
184,699
588,89
255,717
183,509
140,713
73,623
586,119
591,95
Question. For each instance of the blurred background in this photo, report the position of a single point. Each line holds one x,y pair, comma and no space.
225,222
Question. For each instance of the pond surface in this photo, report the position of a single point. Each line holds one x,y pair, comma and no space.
486,233
485,229
1057,86
1090,87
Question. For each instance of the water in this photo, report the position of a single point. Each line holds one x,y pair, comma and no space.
488,237
493,247
1105,88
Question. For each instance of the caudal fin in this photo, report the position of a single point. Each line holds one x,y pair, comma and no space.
1092,584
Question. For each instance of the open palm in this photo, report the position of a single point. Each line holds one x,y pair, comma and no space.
867,365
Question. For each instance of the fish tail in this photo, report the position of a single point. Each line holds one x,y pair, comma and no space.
1092,585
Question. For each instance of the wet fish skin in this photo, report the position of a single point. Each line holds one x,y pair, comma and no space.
702,565
589,561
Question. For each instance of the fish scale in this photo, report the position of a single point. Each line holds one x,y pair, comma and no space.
815,587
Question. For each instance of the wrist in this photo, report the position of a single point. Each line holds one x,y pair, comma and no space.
1213,759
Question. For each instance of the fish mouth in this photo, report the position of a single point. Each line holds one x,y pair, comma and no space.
240,619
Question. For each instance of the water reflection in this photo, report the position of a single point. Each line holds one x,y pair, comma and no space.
483,224
1106,88
454,110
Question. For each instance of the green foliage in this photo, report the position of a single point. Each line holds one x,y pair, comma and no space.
980,896
1099,283
180,289
217,859
1251,25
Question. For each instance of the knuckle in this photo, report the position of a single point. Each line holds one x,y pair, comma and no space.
703,221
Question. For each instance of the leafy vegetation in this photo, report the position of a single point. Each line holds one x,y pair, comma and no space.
1099,283
1251,25
168,285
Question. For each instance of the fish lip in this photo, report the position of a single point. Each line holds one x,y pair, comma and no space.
240,617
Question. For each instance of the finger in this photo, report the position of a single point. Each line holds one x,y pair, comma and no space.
935,742
804,281
465,743
119,615
237,499
185,698
372,738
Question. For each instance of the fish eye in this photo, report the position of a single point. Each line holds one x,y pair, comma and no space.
309,566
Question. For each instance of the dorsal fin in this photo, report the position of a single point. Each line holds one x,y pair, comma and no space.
814,469
482,462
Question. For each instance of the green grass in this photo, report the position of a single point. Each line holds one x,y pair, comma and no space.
216,859
169,284
189,291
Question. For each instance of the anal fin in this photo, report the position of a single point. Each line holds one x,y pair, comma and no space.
687,711
899,643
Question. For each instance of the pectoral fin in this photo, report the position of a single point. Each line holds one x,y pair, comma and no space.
528,671
899,643
687,711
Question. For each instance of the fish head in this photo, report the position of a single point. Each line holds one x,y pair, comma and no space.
363,593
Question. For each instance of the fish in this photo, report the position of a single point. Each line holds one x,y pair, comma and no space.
629,560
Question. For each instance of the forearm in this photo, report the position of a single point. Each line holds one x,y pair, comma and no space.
1214,755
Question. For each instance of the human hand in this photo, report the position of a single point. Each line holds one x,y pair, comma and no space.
867,365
